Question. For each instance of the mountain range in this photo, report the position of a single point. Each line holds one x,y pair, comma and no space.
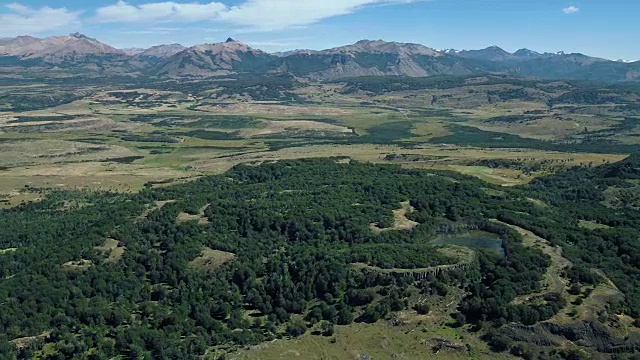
77,54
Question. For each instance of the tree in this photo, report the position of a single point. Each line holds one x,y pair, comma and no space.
459,319
296,328
327,328
575,289
422,308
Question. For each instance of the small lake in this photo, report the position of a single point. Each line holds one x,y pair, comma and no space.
472,239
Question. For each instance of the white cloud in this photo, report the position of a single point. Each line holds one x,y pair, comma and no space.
24,20
571,10
260,15
282,14
162,11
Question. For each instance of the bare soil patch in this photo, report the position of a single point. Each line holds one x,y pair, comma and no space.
400,221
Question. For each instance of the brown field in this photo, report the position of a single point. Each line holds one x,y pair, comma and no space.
73,164
265,108
25,153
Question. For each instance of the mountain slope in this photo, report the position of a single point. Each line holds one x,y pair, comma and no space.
81,55
378,58
12,46
162,51
57,49
525,62
492,53
215,59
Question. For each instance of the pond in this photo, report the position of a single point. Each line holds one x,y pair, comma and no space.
472,239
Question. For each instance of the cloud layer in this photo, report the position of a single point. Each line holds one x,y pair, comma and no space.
261,15
122,12
251,15
281,14
570,10
24,20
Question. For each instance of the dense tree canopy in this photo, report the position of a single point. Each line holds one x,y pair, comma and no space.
294,228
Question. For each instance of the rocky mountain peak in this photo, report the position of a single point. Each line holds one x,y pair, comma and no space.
526,53
78,35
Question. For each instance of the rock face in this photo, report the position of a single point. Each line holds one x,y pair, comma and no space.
589,333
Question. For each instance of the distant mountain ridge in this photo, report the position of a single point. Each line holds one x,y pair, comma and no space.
162,51
214,59
55,49
77,52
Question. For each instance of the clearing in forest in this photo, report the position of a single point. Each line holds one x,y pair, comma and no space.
158,205
210,259
592,225
400,221
23,342
410,337
200,217
112,249
81,265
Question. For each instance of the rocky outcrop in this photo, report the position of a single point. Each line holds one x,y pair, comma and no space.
590,334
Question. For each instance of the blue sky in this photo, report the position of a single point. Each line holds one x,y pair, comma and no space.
595,27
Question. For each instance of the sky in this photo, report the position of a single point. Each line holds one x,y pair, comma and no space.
601,28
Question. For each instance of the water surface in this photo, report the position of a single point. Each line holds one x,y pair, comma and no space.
472,239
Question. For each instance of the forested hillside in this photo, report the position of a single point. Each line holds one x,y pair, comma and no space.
278,249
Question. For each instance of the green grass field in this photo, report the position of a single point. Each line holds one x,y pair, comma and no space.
417,339
121,139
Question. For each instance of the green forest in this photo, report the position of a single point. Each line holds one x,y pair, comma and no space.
292,232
